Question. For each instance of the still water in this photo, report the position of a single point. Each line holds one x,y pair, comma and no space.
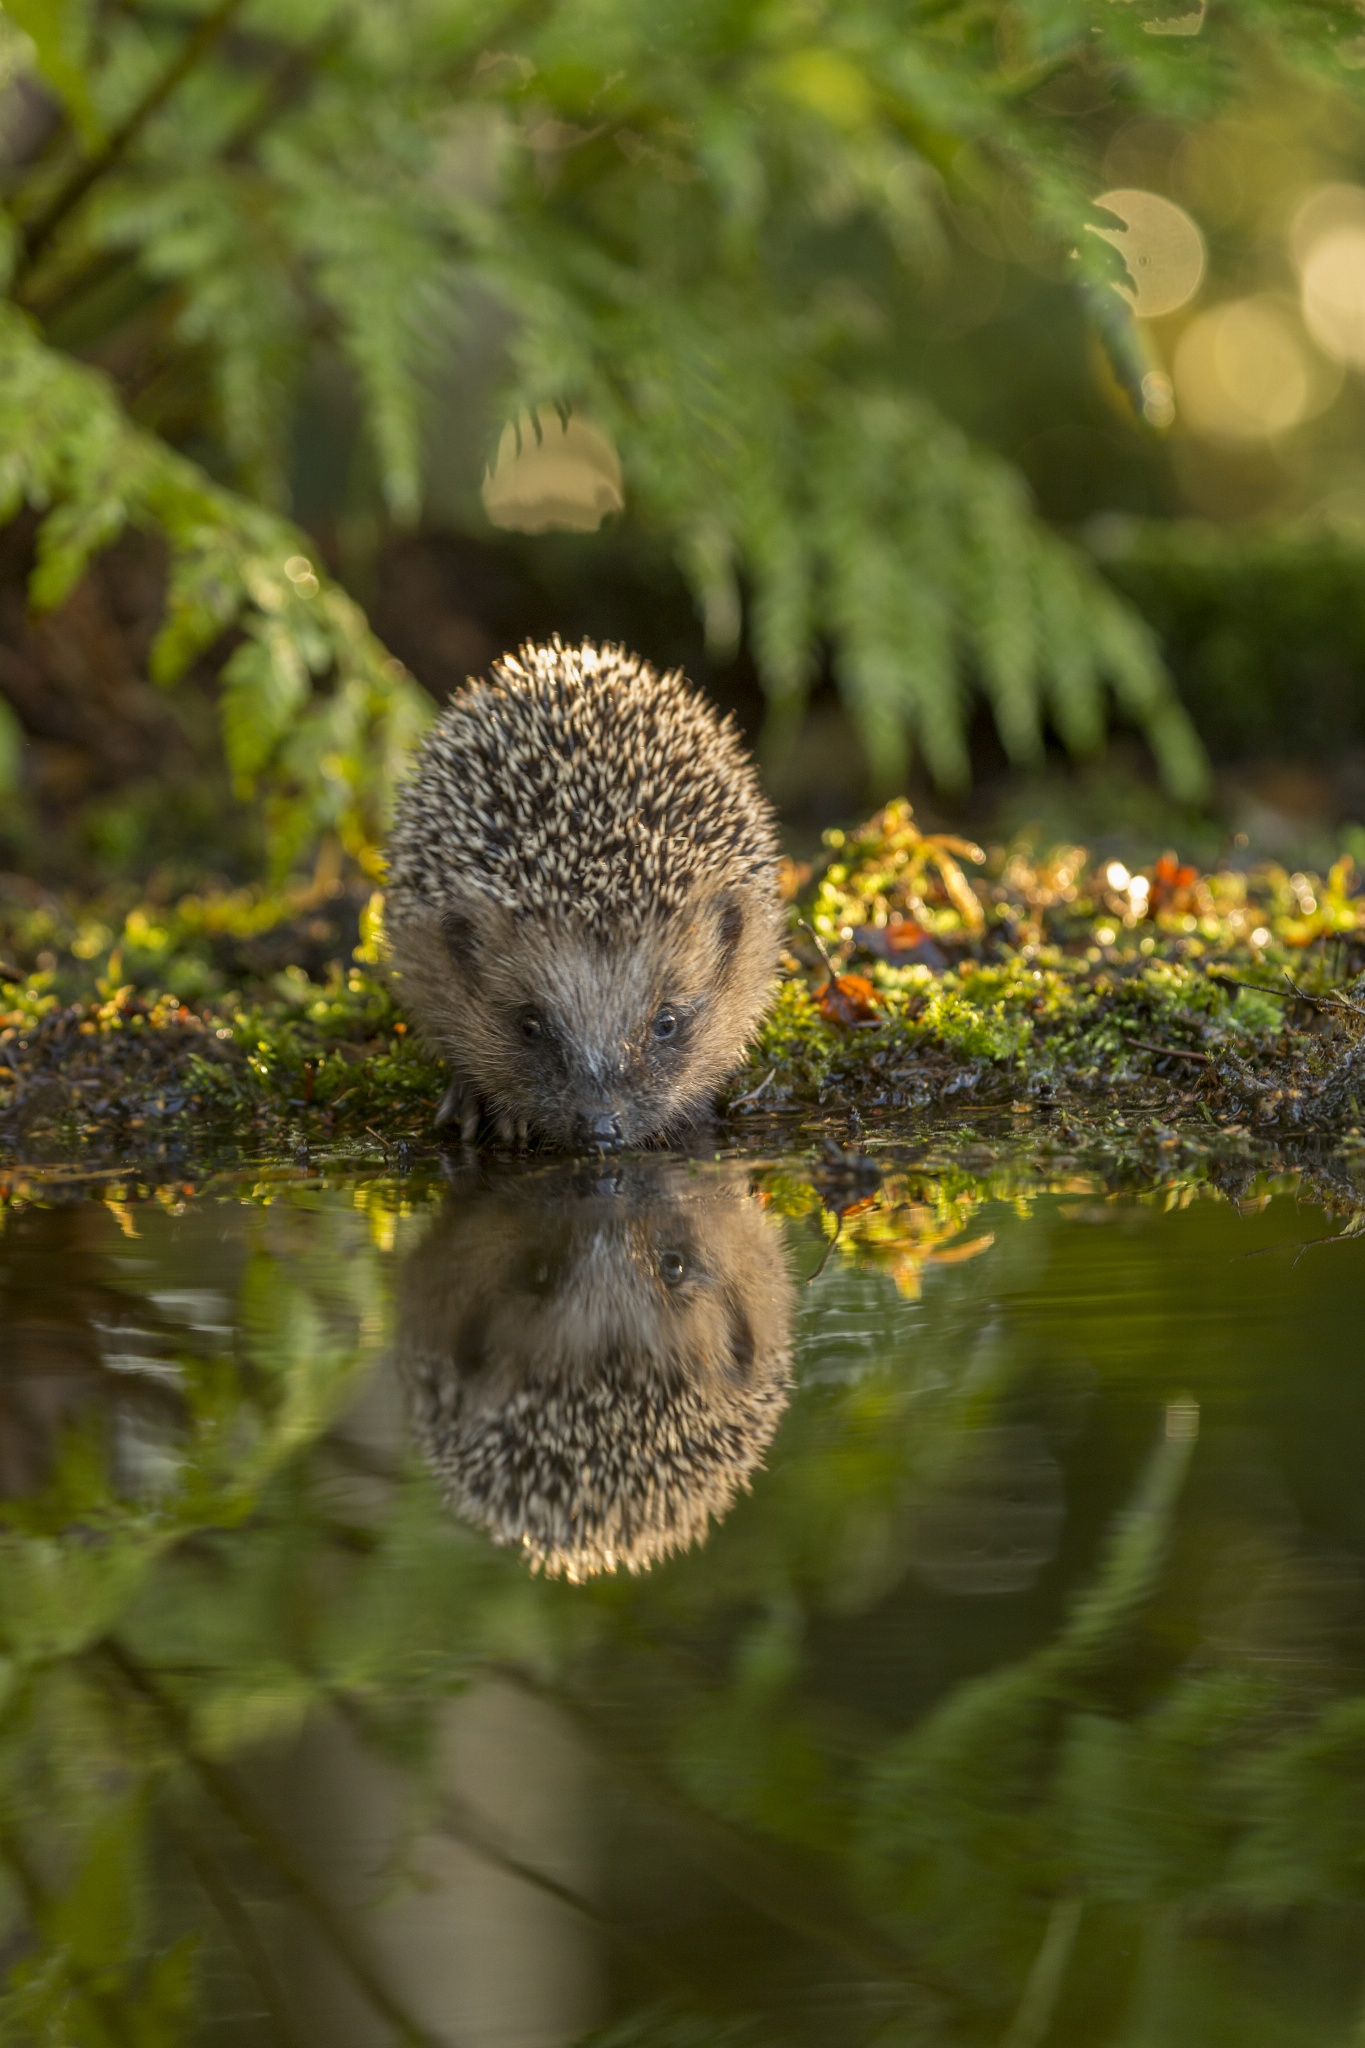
903,1600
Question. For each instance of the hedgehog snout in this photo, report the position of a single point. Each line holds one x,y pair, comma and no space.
600,1132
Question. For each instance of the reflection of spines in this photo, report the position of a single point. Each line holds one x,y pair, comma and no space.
600,1405
587,1476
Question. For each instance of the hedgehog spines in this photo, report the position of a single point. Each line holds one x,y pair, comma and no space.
581,785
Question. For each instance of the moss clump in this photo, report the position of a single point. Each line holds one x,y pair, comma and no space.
105,1044
1058,975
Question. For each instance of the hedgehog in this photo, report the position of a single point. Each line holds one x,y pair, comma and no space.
583,909
595,1373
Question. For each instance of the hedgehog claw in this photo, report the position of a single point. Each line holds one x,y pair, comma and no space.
450,1103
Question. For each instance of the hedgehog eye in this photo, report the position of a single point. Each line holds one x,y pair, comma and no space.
672,1268
531,1025
665,1025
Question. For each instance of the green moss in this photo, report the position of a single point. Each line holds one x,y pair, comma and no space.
1049,974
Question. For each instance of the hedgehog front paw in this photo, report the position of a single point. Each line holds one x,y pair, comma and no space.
460,1105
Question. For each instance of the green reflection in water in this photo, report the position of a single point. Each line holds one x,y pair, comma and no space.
1020,1701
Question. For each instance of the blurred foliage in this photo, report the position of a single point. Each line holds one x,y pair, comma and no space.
327,756
709,232
1126,1796
1265,628
890,890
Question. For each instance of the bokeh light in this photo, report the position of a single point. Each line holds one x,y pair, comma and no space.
1327,239
1244,372
1326,209
1332,288
1162,247
554,475
1158,400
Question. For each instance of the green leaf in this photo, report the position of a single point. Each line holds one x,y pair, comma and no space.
58,30
100,1916
11,750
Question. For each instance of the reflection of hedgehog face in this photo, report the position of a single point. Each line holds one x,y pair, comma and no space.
594,1375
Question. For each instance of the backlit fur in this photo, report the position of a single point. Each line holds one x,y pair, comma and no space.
583,857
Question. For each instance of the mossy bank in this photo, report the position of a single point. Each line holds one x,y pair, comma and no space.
922,974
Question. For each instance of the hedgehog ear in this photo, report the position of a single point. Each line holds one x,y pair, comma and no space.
742,1343
460,934
729,930
469,1353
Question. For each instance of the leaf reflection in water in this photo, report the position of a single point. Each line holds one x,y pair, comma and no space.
992,1522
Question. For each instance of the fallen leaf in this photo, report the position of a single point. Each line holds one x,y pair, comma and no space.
1171,882
848,999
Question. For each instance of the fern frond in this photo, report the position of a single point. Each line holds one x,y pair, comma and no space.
214,233
323,759
863,519
378,250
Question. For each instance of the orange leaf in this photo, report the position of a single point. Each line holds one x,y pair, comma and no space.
848,999
1171,881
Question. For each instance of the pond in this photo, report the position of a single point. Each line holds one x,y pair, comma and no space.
902,1594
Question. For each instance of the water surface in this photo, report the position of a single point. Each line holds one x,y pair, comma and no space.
902,1597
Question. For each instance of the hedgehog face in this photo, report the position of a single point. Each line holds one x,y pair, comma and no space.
595,1375
590,1040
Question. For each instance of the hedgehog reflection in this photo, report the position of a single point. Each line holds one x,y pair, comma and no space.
596,1365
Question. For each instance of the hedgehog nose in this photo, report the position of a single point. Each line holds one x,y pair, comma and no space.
603,1131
